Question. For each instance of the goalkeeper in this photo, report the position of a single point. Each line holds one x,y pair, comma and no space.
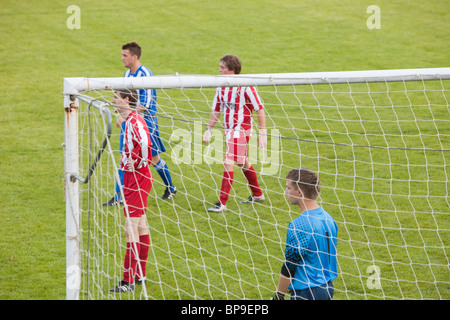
137,183
310,256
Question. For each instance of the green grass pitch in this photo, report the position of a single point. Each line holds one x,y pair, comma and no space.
189,37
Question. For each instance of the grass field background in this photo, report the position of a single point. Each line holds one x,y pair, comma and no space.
188,37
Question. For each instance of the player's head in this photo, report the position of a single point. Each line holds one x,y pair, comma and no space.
302,184
230,64
131,53
124,100
134,48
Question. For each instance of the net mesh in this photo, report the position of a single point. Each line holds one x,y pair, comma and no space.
381,151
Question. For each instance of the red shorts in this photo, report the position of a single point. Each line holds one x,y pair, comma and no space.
136,187
237,147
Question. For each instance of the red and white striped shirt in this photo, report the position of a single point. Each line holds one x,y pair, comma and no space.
237,105
137,144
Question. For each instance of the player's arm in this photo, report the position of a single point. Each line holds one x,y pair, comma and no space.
292,259
252,97
282,288
262,128
135,153
140,108
128,152
213,118
146,100
286,275
133,158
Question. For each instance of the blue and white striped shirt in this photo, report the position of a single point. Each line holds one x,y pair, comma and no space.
147,97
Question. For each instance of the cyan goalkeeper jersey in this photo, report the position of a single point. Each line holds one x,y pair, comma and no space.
311,249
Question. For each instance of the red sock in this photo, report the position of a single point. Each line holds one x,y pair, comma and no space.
227,181
252,179
130,262
143,255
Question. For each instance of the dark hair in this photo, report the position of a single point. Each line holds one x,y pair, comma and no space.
307,180
232,62
134,48
132,96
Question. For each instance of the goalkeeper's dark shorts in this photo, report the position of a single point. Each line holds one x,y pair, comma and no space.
323,292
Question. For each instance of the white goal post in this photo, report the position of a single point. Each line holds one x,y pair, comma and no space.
75,85
379,140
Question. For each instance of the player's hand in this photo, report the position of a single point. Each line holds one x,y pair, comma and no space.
130,165
207,135
262,138
278,296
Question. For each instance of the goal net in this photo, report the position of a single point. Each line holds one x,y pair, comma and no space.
379,141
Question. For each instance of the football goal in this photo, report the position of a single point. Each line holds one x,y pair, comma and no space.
379,141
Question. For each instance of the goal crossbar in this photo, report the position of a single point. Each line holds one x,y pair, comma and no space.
75,85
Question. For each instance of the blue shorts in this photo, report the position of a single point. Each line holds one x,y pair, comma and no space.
323,292
153,128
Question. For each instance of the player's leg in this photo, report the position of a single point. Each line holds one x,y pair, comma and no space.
145,182
225,188
228,176
161,167
137,186
252,179
241,152
144,185
131,256
144,246
133,248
